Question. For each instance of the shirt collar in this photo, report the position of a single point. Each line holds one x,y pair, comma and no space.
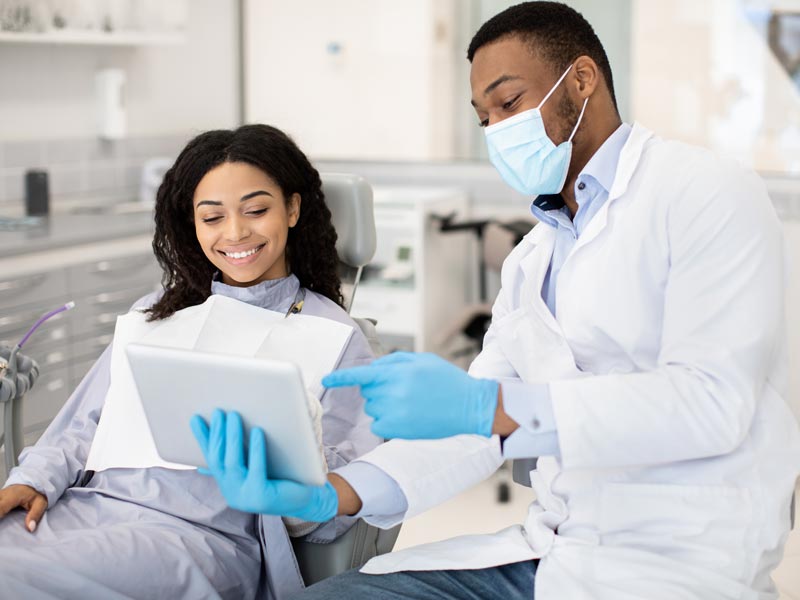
602,167
272,294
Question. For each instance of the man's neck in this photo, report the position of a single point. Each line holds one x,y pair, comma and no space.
590,143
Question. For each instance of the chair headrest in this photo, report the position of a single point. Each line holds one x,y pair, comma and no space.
349,198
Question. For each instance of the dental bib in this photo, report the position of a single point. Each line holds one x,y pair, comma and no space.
221,325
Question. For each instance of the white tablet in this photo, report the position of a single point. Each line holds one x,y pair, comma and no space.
175,384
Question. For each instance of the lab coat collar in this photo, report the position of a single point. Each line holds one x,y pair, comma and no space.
602,167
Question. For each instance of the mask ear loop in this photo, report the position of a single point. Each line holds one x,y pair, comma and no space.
574,131
554,88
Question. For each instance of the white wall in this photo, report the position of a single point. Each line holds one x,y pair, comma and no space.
47,91
388,92
702,72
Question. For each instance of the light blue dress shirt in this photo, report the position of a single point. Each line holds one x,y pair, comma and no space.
528,404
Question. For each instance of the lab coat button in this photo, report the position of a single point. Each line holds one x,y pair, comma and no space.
581,186
536,424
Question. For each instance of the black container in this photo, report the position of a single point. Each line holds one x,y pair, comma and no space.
37,193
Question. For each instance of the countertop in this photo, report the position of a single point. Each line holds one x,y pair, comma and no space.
63,230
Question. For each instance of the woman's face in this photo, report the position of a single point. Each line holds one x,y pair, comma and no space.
242,222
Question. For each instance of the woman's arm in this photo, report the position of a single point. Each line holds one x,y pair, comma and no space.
56,461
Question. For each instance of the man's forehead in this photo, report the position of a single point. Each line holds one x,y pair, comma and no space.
505,60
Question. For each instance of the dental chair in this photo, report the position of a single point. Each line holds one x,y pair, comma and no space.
349,198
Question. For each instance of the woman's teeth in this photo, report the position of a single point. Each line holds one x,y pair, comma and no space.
243,254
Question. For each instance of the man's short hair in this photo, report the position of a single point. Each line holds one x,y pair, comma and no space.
556,32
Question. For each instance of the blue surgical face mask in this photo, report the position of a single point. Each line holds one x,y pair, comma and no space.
525,157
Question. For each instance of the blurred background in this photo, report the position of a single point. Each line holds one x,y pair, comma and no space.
97,97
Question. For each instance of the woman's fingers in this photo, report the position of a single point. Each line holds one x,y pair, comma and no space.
11,497
35,511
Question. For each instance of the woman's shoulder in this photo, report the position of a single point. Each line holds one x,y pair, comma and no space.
318,305
148,300
321,306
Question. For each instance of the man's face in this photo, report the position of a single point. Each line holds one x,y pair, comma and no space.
507,78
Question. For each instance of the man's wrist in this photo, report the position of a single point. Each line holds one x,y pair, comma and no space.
503,424
349,500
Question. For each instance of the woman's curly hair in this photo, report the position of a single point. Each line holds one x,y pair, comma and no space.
311,245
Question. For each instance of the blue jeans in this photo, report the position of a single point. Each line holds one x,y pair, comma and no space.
507,582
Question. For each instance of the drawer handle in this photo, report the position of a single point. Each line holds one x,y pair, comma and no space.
108,266
20,284
110,297
106,318
54,357
22,319
102,341
54,385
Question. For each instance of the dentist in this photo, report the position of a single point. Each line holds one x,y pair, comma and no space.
637,347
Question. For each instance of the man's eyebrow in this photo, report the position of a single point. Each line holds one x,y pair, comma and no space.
497,82
254,194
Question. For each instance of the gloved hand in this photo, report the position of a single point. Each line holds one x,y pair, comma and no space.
421,396
247,486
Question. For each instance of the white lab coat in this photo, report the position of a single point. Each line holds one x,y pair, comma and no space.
667,370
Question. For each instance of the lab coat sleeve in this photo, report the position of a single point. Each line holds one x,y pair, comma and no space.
723,311
527,404
530,405
380,495
430,472
56,461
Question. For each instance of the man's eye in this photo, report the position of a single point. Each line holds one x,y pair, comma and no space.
510,103
484,123
211,219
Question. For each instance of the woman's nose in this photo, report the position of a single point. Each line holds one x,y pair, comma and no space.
236,229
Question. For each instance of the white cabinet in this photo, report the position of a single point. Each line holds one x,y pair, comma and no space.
420,278
66,346
354,78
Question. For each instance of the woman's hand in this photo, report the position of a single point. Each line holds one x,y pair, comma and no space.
24,496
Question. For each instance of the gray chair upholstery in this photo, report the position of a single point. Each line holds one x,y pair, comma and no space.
349,198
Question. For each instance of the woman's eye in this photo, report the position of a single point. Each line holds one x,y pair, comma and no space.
211,219
258,212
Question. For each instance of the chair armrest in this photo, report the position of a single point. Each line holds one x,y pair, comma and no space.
349,551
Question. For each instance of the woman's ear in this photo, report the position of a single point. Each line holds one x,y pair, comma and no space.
294,209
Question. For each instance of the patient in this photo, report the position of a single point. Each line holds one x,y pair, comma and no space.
241,214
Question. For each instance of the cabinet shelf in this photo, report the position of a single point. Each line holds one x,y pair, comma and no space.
94,38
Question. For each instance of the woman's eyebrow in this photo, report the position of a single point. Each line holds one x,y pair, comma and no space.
211,202
254,194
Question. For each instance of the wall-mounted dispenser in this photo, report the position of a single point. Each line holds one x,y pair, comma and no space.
110,94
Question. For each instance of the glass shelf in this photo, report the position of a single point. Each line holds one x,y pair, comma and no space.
94,38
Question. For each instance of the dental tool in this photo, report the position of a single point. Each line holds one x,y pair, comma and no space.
14,385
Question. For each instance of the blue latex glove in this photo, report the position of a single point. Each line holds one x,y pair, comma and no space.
246,486
421,396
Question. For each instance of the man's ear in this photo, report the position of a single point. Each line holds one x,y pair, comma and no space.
294,209
585,76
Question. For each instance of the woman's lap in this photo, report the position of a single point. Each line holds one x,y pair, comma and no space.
94,547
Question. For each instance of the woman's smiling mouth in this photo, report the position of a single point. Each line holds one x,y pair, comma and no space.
243,256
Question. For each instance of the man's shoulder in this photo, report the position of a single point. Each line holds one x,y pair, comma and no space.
678,162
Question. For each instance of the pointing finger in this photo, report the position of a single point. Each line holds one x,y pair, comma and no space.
355,376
